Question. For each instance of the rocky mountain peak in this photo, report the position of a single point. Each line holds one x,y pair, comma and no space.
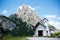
27,14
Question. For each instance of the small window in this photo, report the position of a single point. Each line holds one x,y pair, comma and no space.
47,31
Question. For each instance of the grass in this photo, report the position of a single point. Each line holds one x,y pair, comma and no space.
9,37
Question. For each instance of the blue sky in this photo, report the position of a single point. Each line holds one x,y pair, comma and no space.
43,8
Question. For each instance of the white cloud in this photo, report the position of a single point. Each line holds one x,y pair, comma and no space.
50,16
55,24
51,22
25,6
58,18
33,8
20,7
5,11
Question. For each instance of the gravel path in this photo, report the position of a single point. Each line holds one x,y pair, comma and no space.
42,38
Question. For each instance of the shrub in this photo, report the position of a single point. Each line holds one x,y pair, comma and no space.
56,34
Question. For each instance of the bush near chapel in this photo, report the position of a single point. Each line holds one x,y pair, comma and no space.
56,34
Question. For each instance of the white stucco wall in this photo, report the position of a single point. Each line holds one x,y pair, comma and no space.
40,27
47,29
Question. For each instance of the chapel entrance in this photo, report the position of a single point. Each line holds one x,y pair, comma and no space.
40,33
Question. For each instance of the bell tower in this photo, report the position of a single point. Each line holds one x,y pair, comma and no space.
47,28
